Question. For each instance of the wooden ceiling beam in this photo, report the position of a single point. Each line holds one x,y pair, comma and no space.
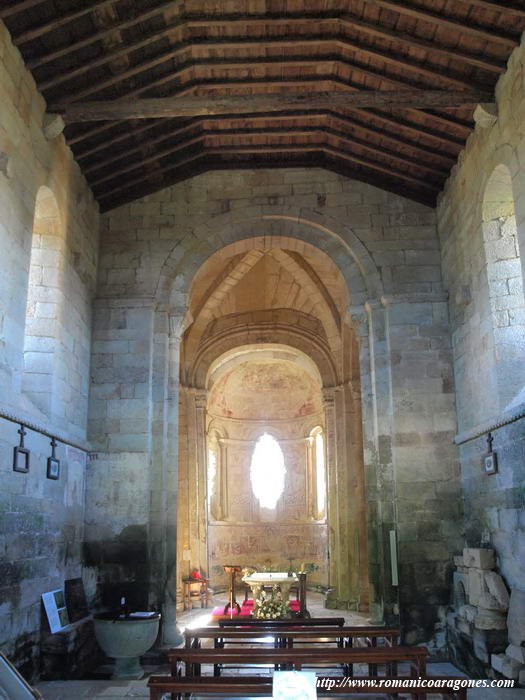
445,162
305,85
154,108
98,36
342,135
57,22
416,130
343,21
311,148
348,21
302,44
294,132
109,56
153,158
19,7
145,126
148,143
425,15
444,121
480,61
404,62
503,8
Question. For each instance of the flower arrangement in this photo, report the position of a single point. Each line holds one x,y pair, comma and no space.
271,607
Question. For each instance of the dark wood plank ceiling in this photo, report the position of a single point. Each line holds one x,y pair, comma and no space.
86,50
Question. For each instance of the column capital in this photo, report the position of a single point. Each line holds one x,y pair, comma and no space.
201,398
179,319
328,396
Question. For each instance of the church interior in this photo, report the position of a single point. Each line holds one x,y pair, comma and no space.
262,339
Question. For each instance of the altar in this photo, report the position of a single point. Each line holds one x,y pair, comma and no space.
282,580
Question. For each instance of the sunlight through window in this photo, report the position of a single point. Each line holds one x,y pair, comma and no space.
267,471
320,472
212,470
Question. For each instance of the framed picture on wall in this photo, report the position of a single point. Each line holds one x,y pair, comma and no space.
56,611
490,463
53,468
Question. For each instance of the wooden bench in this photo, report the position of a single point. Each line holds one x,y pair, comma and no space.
287,637
298,657
250,686
293,622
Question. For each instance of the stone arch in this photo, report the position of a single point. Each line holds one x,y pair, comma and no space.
267,228
280,332
504,282
44,301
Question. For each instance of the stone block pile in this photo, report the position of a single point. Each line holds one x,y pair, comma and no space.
487,618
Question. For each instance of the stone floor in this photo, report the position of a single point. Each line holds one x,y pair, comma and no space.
116,690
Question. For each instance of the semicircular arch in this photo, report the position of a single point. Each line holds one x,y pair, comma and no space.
278,334
294,230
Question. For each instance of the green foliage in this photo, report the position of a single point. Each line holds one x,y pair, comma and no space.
271,606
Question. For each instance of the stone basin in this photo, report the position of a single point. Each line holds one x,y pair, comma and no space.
126,639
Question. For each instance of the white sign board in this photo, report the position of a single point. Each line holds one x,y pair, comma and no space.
291,685
12,685
56,611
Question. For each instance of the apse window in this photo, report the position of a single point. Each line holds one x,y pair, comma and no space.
212,470
319,464
267,471
320,472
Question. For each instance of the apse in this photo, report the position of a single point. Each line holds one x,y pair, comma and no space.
268,423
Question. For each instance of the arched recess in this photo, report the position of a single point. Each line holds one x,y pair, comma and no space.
232,280
505,284
359,360
44,302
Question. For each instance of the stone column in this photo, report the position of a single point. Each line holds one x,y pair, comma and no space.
334,530
371,328
201,478
425,458
222,481
311,478
170,632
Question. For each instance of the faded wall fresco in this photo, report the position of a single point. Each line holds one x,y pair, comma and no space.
260,545
279,397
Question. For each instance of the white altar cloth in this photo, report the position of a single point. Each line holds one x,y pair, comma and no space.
281,579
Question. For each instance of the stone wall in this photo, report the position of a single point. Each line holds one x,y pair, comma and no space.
387,249
486,630
41,520
481,273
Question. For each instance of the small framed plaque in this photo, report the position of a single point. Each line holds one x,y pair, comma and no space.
21,454
53,464
53,468
21,459
489,460
490,463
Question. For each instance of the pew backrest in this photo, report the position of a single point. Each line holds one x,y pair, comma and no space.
289,635
293,622
297,657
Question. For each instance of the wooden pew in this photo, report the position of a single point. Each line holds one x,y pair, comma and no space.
292,622
288,636
249,686
297,657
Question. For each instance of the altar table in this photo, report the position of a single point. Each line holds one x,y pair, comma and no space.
258,580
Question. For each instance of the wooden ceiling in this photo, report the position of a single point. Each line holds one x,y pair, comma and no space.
81,51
